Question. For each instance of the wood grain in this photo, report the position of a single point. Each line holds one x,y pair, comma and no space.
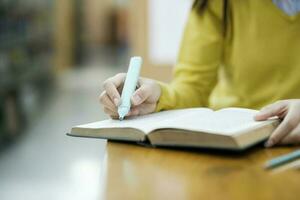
136,172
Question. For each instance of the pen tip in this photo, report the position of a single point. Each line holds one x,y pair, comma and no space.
121,118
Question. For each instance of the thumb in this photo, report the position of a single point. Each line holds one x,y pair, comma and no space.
140,95
270,111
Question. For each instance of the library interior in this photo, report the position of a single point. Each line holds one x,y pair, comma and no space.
54,57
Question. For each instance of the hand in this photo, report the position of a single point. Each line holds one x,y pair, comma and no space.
288,132
143,101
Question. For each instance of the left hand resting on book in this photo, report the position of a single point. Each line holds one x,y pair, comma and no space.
288,132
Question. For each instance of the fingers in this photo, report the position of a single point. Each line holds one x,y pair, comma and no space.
290,139
286,126
111,113
135,111
143,101
141,109
141,95
106,101
276,109
108,106
111,87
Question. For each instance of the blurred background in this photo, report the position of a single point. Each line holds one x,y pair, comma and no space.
54,55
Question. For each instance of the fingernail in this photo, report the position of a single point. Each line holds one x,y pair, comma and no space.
137,99
116,102
260,115
269,143
261,112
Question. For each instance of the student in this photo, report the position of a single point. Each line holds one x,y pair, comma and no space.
247,51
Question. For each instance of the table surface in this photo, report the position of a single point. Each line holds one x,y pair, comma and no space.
136,172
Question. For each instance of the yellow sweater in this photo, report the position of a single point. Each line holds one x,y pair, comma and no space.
256,63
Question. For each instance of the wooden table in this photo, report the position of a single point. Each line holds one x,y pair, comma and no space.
136,172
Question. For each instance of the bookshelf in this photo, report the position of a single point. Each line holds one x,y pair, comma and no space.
26,29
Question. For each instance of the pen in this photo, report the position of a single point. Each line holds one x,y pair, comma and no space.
130,84
293,165
282,159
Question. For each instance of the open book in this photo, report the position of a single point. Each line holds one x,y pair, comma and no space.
231,128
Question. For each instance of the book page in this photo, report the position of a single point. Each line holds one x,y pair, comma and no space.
226,121
147,123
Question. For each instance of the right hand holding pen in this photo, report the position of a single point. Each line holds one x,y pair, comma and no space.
143,101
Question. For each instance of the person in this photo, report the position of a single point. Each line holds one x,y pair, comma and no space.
233,53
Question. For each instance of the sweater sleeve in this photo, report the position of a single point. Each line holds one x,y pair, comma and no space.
200,55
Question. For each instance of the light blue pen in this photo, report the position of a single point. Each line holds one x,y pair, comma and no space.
130,84
282,159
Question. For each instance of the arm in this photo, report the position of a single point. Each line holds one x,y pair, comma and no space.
200,56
